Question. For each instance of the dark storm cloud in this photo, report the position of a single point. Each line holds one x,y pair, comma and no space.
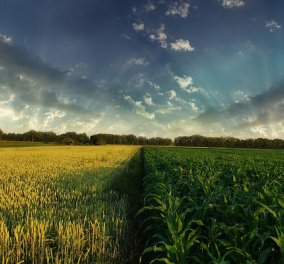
267,106
273,114
19,60
36,83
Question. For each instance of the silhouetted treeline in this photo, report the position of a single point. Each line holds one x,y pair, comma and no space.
69,138
101,139
73,138
228,142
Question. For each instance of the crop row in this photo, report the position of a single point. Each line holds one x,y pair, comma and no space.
213,206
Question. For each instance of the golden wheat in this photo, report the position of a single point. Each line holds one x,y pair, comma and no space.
57,206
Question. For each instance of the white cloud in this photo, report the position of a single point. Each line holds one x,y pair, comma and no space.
260,130
249,46
160,36
138,27
233,3
167,110
50,116
138,61
186,83
241,96
78,68
5,39
193,106
150,7
25,78
148,99
139,108
173,95
272,25
80,125
181,45
178,9
66,100
155,86
138,80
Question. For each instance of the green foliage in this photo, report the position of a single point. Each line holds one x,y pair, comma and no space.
213,206
1,134
229,142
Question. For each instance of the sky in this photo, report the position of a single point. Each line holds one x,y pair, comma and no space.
150,68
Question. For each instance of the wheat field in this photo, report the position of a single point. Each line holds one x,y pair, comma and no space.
57,204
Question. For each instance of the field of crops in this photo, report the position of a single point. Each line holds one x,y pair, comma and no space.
213,206
65,204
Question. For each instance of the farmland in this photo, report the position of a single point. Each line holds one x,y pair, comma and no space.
213,206
78,204
66,204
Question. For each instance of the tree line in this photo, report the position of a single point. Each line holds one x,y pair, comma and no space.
228,142
73,138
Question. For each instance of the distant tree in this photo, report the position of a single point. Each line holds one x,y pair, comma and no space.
131,139
77,138
31,136
97,140
68,141
228,142
83,138
1,134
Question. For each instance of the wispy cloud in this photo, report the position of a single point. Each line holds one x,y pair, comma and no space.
148,99
38,85
138,26
150,6
272,25
194,106
178,10
138,108
138,61
173,95
240,96
154,85
167,109
160,36
261,109
5,39
186,84
125,36
192,103
181,45
233,3
51,116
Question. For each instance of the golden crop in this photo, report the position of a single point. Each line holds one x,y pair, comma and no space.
57,205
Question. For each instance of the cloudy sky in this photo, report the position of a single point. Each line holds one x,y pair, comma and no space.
152,68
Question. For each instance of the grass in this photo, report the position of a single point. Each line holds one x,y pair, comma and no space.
15,144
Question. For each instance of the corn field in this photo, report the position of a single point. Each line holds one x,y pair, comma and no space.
213,206
58,205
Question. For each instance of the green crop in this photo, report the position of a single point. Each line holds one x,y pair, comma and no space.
213,206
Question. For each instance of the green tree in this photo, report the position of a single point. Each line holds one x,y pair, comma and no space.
1,134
